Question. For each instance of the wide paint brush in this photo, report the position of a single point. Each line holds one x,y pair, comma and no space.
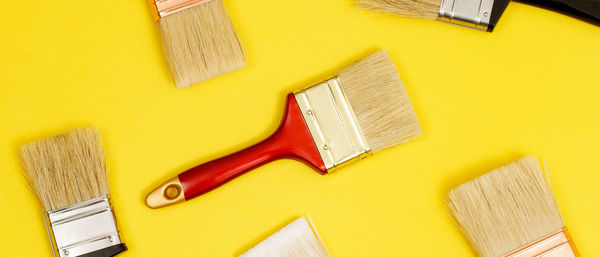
199,40
511,212
69,175
363,110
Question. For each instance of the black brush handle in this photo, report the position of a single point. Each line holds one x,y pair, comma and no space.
107,252
587,10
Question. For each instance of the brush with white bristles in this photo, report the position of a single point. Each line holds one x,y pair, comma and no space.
511,211
363,110
69,175
298,239
199,39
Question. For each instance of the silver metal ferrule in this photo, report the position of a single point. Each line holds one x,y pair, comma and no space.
332,124
82,228
469,13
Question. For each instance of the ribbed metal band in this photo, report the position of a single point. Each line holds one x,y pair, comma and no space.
83,228
332,124
469,13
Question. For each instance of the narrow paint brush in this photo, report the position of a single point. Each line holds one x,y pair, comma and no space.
68,174
477,14
298,239
363,110
511,212
199,40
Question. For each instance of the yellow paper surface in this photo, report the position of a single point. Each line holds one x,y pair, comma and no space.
532,87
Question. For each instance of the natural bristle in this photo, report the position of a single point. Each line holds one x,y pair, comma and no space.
298,239
505,209
426,9
380,101
66,169
200,43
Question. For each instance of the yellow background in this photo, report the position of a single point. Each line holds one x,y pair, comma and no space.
532,87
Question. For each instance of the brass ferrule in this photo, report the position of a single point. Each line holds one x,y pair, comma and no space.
83,228
162,8
556,244
469,13
332,124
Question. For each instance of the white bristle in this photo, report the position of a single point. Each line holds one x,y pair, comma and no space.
66,169
426,9
506,209
380,101
201,43
298,239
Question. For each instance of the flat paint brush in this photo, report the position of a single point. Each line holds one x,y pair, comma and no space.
68,173
477,14
198,39
511,212
363,110
298,239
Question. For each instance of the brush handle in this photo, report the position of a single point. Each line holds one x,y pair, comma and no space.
587,10
292,140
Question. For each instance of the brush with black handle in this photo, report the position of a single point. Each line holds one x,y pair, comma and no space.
477,14
69,175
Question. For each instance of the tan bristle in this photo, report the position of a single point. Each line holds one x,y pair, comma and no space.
426,9
201,43
66,169
380,101
505,209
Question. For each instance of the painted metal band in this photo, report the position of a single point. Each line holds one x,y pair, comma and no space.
556,244
162,8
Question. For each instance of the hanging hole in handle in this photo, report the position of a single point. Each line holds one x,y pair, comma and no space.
172,192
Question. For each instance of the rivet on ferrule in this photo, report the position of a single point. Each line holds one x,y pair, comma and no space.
332,124
556,244
162,8
469,13
85,228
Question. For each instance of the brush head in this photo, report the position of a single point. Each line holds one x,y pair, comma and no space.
380,101
298,239
505,209
426,9
66,169
200,43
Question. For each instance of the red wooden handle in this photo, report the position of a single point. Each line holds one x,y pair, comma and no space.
291,140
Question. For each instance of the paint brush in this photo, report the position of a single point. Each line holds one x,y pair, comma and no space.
198,38
68,173
511,212
362,110
477,14
298,239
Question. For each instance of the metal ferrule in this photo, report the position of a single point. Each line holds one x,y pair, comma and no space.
556,244
469,13
332,124
162,8
83,228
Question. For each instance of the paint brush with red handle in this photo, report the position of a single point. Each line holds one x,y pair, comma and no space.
364,109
